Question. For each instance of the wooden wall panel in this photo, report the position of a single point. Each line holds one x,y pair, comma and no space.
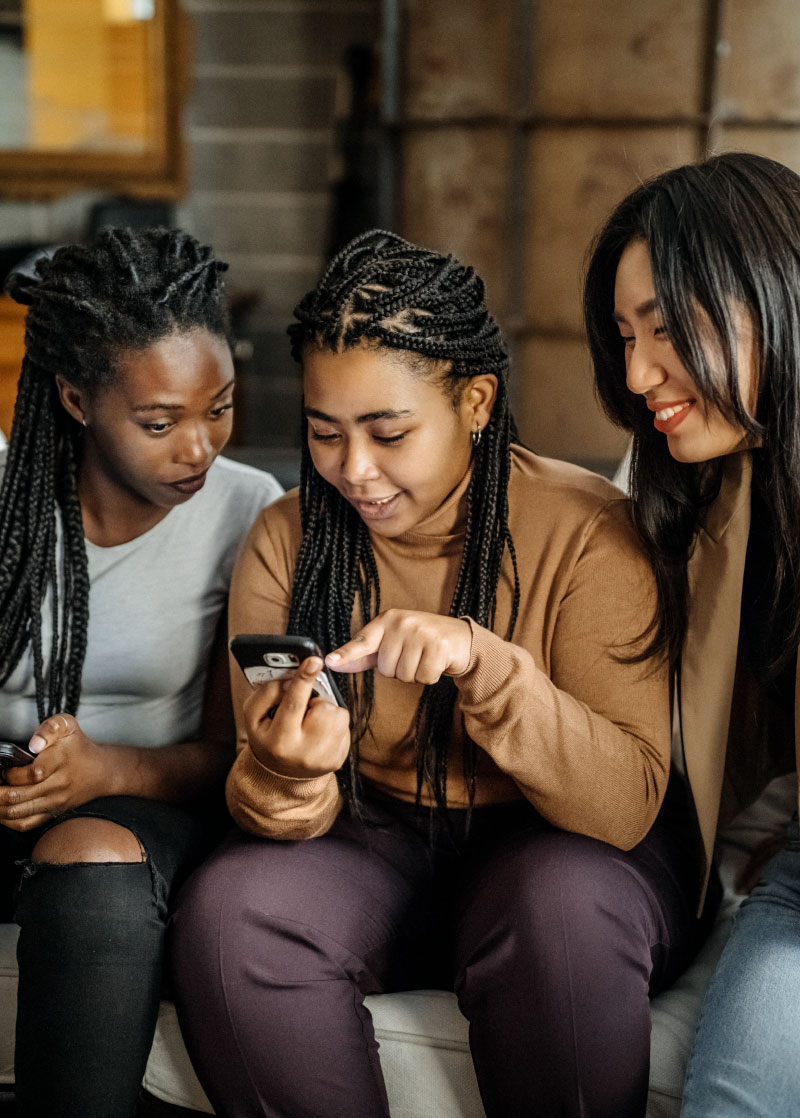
618,58
759,60
575,177
454,199
457,60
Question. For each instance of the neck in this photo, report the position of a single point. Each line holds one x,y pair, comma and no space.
112,514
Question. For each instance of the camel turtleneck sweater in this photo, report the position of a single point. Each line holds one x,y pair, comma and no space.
559,716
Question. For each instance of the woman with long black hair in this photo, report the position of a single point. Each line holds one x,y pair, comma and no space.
693,315
489,815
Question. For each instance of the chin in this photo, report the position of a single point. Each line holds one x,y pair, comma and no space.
696,454
388,530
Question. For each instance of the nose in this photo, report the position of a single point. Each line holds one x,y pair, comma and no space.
644,369
357,465
196,447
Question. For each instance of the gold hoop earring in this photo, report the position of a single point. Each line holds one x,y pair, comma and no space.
476,435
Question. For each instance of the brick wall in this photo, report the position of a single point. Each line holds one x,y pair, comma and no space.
261,130
269,91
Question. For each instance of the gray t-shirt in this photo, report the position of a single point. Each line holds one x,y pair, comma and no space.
154,605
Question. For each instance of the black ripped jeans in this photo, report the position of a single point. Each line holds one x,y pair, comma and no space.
90,958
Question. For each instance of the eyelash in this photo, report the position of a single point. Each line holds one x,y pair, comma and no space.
384,440
163,427
659,331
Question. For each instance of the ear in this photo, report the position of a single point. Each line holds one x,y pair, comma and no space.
479,399
73,401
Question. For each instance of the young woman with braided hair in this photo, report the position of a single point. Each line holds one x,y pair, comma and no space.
118,529
490,815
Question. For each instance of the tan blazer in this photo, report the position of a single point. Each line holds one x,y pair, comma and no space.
708,663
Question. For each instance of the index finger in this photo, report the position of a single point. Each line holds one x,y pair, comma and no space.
360,653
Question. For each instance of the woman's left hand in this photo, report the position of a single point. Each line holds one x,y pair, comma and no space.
403,644
68,770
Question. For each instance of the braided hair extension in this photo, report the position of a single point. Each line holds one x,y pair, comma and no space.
381,291
88,306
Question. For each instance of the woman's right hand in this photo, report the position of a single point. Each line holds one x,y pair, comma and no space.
294,732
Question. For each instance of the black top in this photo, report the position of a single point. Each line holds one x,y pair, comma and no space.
764,629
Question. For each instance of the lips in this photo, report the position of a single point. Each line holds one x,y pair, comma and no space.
189,484
668,416
376,508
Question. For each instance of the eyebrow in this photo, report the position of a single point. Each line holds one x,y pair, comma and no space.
647,307
181,407
368,417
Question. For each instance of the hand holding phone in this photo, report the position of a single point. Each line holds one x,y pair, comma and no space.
287,732
265,657
12,755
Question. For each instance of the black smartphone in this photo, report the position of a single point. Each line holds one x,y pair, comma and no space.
13,754
264,657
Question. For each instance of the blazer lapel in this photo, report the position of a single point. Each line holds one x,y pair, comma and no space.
708,662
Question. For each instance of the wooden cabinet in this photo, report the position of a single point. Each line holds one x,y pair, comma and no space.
12,350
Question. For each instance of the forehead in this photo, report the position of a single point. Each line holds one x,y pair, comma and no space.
359,381
180,363
633,287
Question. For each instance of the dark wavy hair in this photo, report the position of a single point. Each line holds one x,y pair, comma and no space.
383,292
721,234
87,307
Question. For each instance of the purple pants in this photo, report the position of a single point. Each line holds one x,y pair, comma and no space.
552,942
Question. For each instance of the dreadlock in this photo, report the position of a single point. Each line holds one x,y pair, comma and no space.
88,306
382,291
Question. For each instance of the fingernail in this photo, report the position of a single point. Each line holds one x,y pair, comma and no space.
37,743
313,665
333,657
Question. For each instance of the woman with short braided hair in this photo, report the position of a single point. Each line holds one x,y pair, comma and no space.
118,528
489,814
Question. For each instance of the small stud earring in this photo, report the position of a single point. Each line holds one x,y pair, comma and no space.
83,421
476,435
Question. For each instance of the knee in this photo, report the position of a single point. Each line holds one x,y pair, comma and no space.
88,840
89,881
579,877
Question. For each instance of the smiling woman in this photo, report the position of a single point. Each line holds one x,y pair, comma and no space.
698,270
655,371
118,528
397,461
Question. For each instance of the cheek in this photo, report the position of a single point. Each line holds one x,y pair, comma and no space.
221,430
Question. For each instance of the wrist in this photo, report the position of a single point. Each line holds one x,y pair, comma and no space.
463,652
116,767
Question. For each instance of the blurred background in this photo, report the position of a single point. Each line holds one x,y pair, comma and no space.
500,130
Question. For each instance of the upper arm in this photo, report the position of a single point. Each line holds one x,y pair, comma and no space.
259,603
602,617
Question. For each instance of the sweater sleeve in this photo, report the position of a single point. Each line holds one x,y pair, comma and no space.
589,743
261,801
